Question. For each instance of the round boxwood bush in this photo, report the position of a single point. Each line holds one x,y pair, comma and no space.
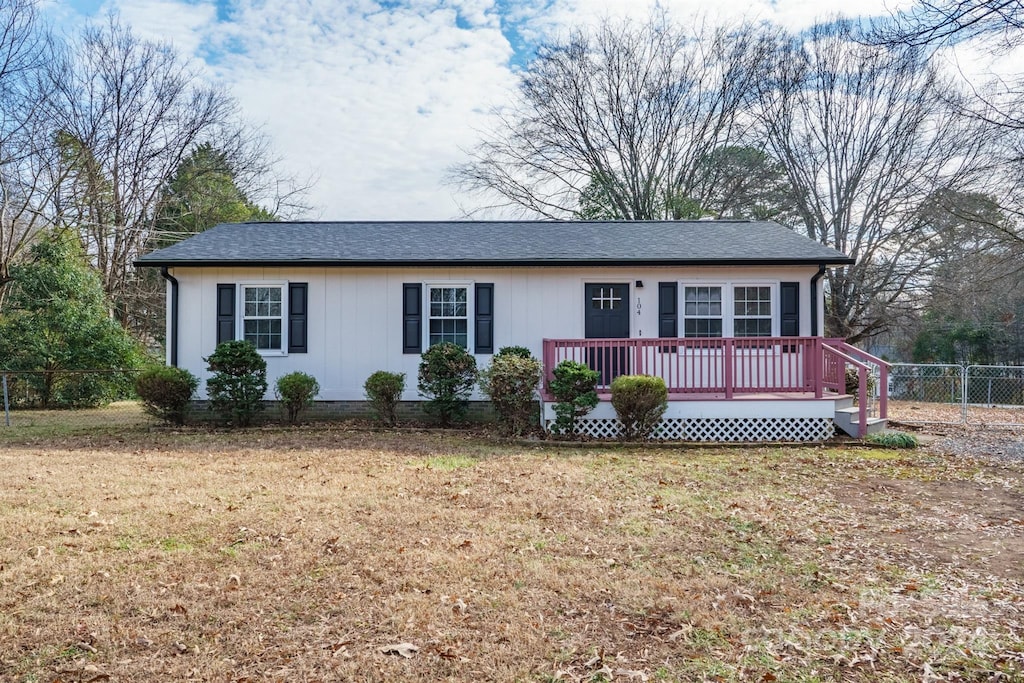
639,402
384,390
296,392
165,392
446,378
238,383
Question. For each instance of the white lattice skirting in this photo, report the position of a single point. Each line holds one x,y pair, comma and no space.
720,429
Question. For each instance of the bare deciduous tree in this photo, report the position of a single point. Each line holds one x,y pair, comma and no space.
24,173
866,134
627,113
948,21
126,113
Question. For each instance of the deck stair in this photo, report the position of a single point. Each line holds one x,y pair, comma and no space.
847,418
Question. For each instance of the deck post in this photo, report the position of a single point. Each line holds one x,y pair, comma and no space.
549,365
727,355
819,367
883,391
862,400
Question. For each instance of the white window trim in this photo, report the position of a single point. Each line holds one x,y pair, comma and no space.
726,320
240,318
728,304
773,292
470,287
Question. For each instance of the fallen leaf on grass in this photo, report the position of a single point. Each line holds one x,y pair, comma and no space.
406,650
91,674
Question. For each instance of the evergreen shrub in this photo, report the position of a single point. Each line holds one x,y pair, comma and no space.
166,392
384,389
639,402
238,383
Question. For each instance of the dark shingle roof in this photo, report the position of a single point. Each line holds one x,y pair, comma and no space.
496,243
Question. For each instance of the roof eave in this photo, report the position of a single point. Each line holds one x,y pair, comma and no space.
377,263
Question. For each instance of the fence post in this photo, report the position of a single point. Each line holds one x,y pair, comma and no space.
7,403
965,379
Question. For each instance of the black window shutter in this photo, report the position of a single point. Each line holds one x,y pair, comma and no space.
484,317
412,317
225,313
668,309
789,309
297,316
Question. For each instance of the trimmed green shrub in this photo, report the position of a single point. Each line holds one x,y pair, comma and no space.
893,439
520,351
166,392
446,378
511,384
296,391
384,389
574,386
238,383
639,402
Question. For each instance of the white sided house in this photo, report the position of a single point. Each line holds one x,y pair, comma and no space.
729,313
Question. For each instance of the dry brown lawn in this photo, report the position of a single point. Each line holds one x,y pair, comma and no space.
327,555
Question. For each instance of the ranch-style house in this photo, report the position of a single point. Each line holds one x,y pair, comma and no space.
729,312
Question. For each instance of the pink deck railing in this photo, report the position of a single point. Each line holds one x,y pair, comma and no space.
723,368
837,355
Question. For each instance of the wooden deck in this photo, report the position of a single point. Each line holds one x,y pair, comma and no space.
747,370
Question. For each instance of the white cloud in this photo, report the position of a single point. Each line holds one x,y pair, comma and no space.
186,25
377,103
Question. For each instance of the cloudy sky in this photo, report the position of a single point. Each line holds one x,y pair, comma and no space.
376,98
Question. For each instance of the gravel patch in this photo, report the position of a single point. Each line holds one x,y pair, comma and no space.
982,443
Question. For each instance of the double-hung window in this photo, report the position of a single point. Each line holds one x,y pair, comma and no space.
702,311
263,316
752,311
448,315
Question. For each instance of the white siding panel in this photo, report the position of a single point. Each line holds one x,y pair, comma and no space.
355,314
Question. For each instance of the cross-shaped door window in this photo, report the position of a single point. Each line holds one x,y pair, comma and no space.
606,299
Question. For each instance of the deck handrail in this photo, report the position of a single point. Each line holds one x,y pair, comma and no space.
705,365
840,386
883,371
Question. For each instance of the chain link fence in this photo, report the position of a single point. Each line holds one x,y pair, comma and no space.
994,395
956,394
70,399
